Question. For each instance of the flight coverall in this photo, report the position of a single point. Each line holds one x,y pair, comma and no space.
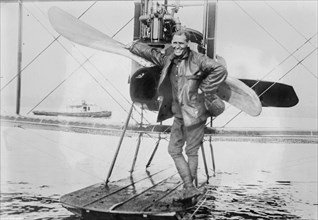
179,83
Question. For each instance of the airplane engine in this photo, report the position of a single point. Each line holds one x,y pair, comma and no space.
143,87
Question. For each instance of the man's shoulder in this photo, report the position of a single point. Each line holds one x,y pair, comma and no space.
197,56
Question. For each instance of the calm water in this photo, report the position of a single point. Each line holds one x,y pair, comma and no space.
253,181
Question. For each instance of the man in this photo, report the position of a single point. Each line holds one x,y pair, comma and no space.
186,89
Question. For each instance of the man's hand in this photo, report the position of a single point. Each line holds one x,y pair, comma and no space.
127,46
214,104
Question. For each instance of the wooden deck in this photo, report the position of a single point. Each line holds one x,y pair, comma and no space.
146,196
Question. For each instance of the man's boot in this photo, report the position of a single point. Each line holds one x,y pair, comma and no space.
185,174
193,165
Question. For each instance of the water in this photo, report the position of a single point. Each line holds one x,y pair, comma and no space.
275,201
30,206
253,180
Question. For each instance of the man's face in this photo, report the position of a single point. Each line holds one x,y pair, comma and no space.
179,44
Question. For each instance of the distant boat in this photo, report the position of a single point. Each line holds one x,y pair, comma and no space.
83,110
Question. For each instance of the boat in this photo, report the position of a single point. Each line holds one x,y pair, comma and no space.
82,110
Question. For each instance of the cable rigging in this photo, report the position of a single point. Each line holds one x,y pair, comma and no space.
268,33
88,59
274,83
55,88
78,63
267,74
290,55
81,66
39,54
292,26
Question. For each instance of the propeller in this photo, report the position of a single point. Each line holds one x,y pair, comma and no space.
79,32
232,90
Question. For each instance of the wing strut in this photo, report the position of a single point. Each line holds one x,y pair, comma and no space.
119,145
209,27
209,33
19,58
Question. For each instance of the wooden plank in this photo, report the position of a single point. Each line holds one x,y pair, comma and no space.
128,193
140,203
86,196
169,204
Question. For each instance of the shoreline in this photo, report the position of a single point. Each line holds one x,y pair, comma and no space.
218,134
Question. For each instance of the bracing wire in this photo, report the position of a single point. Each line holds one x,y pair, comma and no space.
292,26
26,66
88,59
63,81
87,9
78,63
120,29
42,51
56,39
291,54
271,36
279,64
299,62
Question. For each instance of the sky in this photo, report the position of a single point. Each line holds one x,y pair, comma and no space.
256,38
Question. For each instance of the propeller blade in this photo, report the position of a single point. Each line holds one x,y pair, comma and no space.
79,32
273,94
240,95
232,90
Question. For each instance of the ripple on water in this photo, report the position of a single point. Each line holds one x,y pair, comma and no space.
25,205
249,201
276,201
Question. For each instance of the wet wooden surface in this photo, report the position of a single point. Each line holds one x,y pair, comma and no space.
147,193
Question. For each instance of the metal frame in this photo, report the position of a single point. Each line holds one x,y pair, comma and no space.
119,145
